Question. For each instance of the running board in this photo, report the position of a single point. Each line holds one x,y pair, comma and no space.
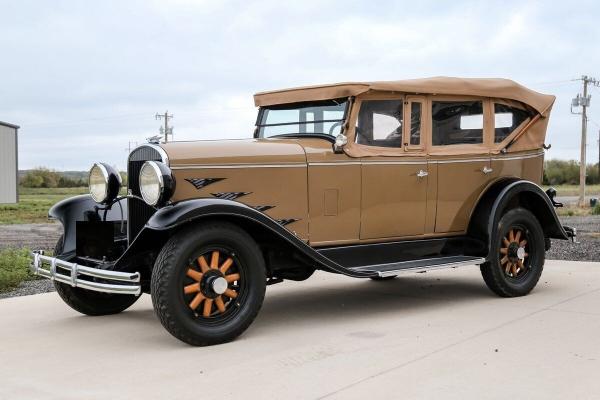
422,265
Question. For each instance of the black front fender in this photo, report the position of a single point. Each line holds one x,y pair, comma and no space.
169,219
82,208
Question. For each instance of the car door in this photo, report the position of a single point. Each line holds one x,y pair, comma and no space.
460,149
394,186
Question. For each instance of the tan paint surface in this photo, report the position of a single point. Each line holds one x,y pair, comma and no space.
394,199
273,172
328,173
365,193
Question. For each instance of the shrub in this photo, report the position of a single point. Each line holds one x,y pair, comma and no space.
596,209
561,172
41,178
46,178
14,268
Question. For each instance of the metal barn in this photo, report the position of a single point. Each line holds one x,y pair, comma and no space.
9,162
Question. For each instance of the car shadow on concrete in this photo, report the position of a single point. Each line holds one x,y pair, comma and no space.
365,299
307,303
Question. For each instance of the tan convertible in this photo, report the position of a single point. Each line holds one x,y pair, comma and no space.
368,180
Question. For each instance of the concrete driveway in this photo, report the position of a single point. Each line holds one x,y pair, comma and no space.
436,335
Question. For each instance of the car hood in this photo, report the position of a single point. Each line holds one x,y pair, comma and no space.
234,152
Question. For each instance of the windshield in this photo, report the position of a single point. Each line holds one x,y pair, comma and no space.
313,119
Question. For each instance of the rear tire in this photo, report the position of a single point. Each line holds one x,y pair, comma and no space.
89,302
517,255
208,283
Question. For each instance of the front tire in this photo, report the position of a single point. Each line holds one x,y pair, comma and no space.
517,255
208,284
89,302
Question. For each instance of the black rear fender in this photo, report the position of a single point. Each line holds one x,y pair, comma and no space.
507,194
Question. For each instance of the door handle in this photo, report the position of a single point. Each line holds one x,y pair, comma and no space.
487,170
422,174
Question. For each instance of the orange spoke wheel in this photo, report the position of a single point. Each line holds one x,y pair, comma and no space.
212,284
208,282
514,252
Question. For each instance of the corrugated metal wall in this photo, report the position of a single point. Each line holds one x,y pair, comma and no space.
8,165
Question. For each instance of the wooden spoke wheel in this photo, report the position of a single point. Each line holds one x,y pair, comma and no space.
214,282
513,252
208,283
516,254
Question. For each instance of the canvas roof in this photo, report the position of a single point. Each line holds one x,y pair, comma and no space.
482,87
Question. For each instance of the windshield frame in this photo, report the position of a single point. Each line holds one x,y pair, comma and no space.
259,133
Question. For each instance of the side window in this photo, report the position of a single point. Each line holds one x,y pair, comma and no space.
457,122
506,120
415,124
380,123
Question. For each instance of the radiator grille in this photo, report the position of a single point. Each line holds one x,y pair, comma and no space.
138,211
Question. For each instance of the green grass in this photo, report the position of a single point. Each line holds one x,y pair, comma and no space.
14,268
573,190
34,204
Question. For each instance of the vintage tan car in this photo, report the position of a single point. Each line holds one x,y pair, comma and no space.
367,180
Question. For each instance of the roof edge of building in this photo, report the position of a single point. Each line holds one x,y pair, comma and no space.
9,125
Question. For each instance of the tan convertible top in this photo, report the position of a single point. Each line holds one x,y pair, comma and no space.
484,87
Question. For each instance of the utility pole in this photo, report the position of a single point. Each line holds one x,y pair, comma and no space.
129,146
166,130
584,102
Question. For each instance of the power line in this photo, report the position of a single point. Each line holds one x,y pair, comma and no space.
548,83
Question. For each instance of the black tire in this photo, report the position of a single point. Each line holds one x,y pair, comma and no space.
176,308
383,278
89,302
498,273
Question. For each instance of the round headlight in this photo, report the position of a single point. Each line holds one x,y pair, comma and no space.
156,183
104,182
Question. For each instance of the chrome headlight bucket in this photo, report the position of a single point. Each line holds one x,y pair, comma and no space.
104,183
157,183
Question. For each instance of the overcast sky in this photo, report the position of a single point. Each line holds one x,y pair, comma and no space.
85,78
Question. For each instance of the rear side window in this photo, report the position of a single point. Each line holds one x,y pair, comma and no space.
380,123
457,122
506,120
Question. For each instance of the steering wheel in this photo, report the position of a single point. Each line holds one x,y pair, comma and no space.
339,123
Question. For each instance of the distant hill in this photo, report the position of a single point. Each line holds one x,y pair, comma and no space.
74,175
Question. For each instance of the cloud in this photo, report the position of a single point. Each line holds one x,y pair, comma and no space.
84,78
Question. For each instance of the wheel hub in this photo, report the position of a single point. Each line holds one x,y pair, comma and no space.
215,285
521,253
513,252
219,285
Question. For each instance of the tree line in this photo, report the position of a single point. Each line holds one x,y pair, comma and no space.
561,172
42,177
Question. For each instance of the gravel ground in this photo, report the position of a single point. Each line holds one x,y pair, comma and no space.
44,236
27,288
588,234
33,236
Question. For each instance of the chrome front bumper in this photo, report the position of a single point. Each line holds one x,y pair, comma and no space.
83,277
